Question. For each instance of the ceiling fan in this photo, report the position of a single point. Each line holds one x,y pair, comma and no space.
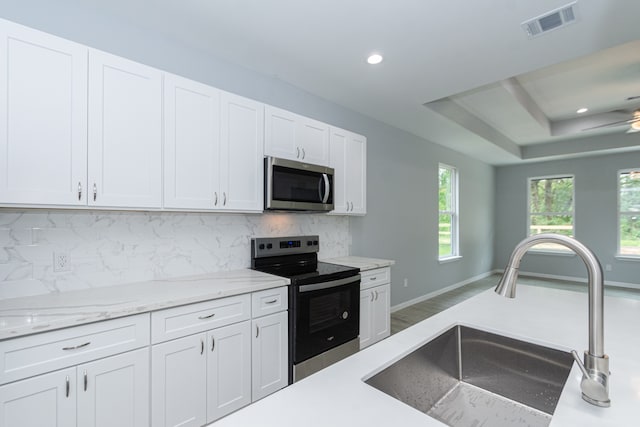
633,121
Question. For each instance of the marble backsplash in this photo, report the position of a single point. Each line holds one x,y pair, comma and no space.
112,248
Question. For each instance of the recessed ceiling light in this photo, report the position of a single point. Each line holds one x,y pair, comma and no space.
374,59
582,110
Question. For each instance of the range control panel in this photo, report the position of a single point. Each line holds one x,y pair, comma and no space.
274,246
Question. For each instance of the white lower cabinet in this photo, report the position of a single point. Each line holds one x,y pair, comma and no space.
47,400
108,392
200,378
114,391
270,354
375,306
179,383
228,370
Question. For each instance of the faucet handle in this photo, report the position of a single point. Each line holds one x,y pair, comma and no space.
594,384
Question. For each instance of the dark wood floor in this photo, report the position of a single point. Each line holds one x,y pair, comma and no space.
411,315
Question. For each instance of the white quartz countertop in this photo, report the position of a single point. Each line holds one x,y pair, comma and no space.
337,396
28,315
362,263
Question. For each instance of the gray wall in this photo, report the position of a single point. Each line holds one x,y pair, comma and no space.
595,218
401,223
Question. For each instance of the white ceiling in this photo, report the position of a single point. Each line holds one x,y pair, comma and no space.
449,54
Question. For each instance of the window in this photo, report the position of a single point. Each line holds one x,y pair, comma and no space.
448,212
629,213
551,208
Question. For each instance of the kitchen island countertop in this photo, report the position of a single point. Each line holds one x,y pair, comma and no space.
337,395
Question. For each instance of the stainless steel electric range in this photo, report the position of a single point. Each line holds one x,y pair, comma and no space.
324,301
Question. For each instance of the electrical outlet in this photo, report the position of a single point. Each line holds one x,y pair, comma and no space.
406,283
61,262
608,267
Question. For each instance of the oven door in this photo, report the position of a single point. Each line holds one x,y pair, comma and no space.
325,315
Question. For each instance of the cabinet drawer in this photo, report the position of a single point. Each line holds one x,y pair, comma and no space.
190,319
269,301
375,277
48,351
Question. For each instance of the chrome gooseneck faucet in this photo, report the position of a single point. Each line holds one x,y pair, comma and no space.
595,369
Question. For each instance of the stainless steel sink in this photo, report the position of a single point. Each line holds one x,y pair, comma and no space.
469,377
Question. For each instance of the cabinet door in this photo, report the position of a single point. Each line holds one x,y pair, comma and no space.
228,369
114,391
241,154
125,131
338,161
179,382
270,356
380,317
366,302
191,144
42,401
313,139
280,134
356,174
43,117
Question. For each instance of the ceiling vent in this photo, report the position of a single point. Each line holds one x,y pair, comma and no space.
552,20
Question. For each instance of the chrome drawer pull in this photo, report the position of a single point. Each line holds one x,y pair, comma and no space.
372,278
206,317
273,301
75,347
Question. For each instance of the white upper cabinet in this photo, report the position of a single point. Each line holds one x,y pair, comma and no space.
241,153
125,133
349,161
191,144
43,117
291,136
213,148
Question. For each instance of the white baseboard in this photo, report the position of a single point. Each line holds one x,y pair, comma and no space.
574,279
440,291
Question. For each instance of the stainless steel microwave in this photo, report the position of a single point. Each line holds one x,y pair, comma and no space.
296,186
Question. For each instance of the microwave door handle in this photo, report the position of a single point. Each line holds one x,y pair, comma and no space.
327,188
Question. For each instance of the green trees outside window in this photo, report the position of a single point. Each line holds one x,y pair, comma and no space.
629,213
448,212
551,208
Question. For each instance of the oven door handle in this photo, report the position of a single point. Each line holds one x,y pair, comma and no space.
328,285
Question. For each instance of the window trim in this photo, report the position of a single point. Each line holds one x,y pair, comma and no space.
455,215
619,255
561,252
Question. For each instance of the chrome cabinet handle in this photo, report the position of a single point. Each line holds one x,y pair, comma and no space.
257,331
371,296
85,380
79,190
215,198
351,206
213,343
224,199
67,387
372,278
376,295
273,301
298,152
95,191
303,154
75,347
201,346
206,317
